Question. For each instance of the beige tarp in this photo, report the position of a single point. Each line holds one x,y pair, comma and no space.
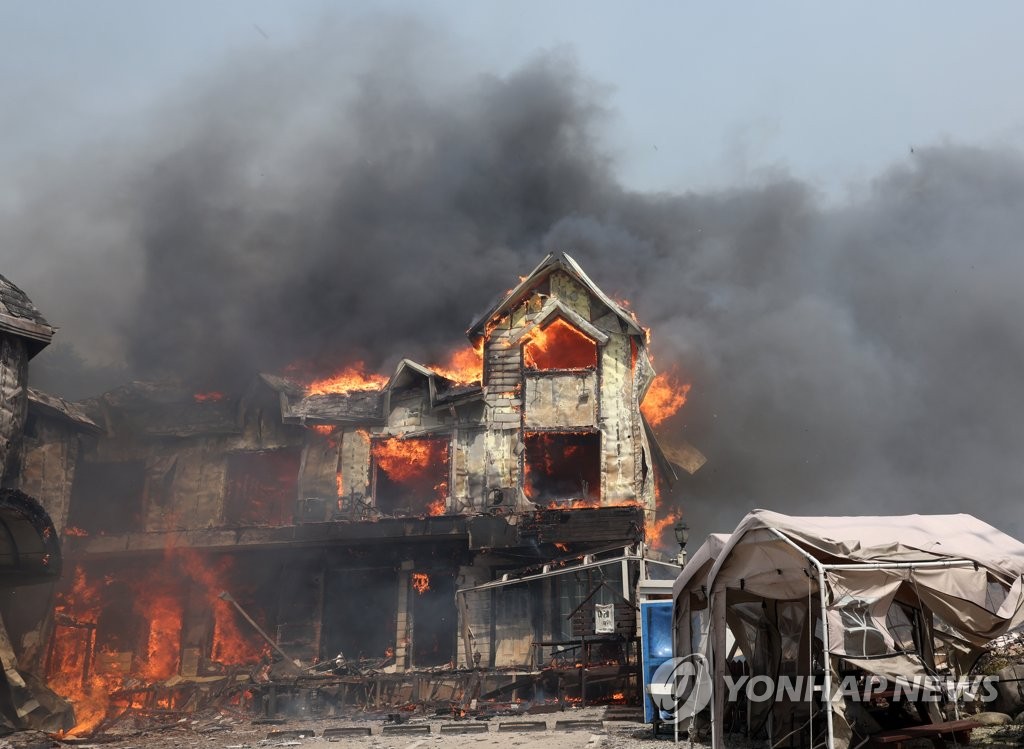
887,580
690,596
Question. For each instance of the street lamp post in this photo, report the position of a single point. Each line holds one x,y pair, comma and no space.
682,531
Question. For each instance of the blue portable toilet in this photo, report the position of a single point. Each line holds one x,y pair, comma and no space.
655,649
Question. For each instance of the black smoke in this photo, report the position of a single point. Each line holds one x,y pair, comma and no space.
364,195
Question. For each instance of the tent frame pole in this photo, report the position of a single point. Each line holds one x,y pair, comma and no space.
892,565
821,568
826,647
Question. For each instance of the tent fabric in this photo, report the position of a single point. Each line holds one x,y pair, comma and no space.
898,538
966,573
698,565
690,620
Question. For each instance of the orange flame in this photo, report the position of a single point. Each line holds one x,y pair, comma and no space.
420,582
463,366
403,459
414,460
664,398
211,397
351,379
68,664
75,668
163,647
559,345
230,647
656,532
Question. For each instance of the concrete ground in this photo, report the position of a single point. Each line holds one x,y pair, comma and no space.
572,729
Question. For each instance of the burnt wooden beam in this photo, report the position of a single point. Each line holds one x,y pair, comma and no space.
290,536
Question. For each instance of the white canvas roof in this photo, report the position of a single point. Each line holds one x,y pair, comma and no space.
898,538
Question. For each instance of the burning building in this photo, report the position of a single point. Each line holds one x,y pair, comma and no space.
460,519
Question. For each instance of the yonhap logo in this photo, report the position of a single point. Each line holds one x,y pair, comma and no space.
681,687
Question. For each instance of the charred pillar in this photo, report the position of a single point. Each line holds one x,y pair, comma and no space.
403,620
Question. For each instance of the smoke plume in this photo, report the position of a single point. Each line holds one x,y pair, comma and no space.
353,198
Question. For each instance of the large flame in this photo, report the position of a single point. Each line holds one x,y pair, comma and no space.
351,379
664,398
464,365
163,608
658,532
230,647
70,666
158,595
559,345
414,462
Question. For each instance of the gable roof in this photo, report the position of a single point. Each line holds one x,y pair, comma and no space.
554,261
553,309
18,316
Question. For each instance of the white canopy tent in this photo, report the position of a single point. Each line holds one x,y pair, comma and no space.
691,619
892,585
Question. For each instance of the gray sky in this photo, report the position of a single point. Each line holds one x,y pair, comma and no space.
704,94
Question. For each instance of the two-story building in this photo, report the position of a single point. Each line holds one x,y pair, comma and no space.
344,520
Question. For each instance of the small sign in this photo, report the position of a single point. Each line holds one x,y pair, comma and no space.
604,618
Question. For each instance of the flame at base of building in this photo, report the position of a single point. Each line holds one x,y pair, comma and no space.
117,629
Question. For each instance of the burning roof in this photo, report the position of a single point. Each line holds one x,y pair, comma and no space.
369,399
553,262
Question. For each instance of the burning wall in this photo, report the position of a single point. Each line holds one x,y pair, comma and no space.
546,408
560,355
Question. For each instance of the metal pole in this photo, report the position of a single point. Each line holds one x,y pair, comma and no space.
225,596
827,686
943,563
828,655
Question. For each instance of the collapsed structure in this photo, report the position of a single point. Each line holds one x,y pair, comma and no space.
831,602
341,516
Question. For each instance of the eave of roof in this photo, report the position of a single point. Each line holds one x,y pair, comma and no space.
19,317
554,261
56,407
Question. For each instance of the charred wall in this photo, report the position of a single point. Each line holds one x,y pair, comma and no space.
529,394
13,399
